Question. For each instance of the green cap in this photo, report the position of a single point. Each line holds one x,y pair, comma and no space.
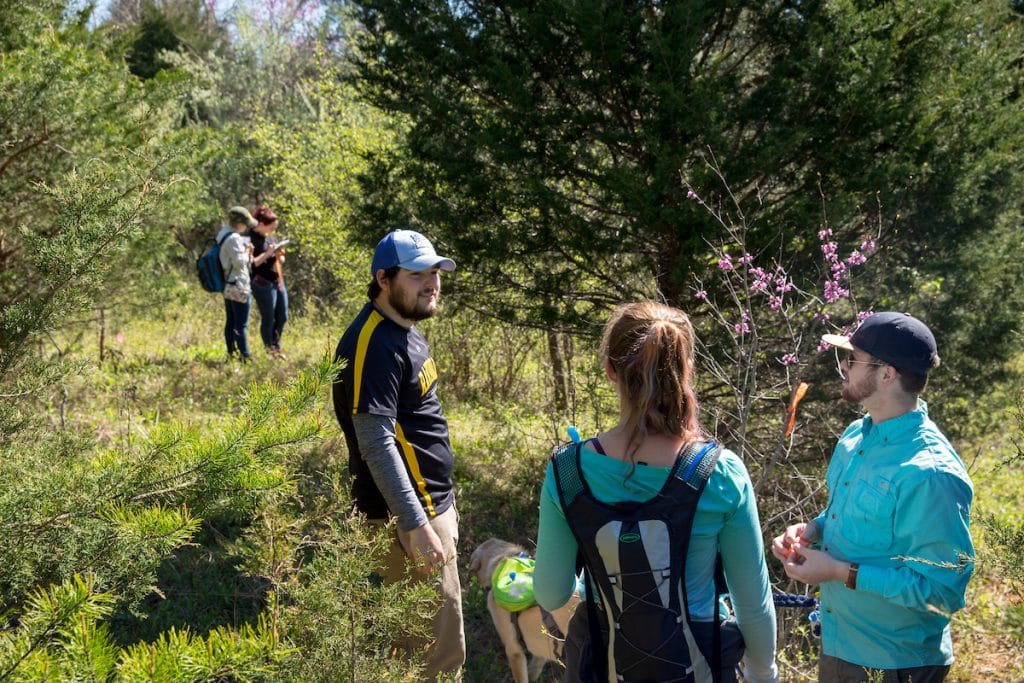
240,214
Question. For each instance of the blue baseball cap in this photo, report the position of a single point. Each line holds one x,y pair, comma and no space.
900,340
407,249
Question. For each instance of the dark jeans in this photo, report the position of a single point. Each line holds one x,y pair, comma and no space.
273,305
835,670
578,654
235,327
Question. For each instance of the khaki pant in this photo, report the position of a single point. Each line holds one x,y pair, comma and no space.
446,651
835,670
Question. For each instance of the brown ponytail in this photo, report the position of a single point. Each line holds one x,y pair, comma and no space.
650,347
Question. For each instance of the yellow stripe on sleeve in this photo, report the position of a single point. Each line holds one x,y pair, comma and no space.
362,345
414,468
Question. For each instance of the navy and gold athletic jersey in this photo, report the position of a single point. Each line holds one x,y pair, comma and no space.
389,372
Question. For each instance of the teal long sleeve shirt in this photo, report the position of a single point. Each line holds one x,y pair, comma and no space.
899,505
726,518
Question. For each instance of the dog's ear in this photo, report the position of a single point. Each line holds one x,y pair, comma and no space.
474,562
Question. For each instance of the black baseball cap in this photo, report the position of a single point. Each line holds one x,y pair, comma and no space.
900,340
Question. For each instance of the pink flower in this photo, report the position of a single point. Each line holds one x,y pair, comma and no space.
824,234
762,280
119,337
863,315
725,263
834,292
868,245
690,194
822,316
742,327
783,285
790,359
775,303
701,295
856,258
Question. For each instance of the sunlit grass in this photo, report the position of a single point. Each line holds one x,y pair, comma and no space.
172,367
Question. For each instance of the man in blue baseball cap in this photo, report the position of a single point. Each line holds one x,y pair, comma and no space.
400,455
892,550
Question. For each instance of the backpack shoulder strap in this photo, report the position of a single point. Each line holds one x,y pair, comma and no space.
565,464
221,240
697,463
689,477
716,638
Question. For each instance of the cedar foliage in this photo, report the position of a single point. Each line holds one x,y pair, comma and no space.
551,145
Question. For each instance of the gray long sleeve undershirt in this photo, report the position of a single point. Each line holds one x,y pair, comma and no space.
376,437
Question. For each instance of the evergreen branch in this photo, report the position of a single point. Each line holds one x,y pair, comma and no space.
47,631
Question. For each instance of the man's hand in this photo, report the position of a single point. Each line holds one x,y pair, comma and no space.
423,547
814,566
797,536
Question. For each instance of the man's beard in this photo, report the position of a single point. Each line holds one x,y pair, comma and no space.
856,393
413,310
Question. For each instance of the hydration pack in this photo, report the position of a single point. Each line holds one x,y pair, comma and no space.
634,554
209,269
512,583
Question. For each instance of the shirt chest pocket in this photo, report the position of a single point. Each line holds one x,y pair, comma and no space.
869,516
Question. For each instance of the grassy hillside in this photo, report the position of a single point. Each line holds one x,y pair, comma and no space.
172,368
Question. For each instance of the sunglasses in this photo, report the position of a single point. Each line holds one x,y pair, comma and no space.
847,359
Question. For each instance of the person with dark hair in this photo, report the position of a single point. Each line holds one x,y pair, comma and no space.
236,259
892,550
400,456
268,281
651,581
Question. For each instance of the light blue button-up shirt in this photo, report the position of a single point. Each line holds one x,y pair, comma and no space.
900,505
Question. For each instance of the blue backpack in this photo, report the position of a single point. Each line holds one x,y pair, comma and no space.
208,268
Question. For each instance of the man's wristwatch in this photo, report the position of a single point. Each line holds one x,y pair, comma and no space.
851,578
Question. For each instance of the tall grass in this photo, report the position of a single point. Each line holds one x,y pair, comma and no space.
168,365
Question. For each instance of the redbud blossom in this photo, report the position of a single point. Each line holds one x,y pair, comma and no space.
742,327
834,292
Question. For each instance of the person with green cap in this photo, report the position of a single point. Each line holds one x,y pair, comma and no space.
892,551
236,260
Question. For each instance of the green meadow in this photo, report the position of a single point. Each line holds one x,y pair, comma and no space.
170,369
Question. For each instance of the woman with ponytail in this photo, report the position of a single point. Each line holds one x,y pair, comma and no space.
648,354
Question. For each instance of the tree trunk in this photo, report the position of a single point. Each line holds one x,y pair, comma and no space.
557,370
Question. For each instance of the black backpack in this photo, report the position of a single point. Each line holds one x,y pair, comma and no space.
634,554
209,269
